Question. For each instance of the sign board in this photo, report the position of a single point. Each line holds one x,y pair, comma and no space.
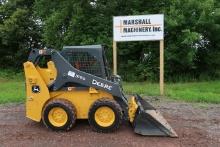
138,27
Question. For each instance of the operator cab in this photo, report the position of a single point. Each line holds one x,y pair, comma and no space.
90,59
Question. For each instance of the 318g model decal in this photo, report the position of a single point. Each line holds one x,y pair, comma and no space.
74,75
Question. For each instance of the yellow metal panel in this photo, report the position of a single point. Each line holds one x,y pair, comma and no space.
34,101
81,99
92,90
48,74
132,108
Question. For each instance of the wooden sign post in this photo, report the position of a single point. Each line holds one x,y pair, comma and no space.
139,28
114,57
161,67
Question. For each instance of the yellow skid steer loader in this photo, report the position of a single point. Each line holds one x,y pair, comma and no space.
76,84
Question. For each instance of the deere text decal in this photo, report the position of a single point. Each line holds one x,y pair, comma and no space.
139,27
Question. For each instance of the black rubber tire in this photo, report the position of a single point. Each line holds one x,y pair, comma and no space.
111,104
67,106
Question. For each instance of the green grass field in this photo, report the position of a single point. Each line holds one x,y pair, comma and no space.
208,92
12,89
12,86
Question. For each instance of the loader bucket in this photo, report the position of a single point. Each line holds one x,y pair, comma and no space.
148,121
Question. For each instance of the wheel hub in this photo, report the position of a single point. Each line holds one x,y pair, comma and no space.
104,116
57,116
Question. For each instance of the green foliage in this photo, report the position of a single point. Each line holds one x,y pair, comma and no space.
11,74
18,32
192,34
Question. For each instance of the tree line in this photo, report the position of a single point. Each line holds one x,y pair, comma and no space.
192,34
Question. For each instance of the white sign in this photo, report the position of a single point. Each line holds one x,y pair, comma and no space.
138,27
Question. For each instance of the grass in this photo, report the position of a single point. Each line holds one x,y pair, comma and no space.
206,92
12,89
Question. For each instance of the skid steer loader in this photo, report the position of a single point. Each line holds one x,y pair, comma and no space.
76,84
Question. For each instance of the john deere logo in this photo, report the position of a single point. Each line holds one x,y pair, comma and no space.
35,89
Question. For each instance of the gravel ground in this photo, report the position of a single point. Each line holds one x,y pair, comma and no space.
196,125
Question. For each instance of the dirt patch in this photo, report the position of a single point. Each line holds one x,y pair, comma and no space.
195,126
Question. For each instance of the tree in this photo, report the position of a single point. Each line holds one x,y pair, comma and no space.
189,29
208,54
18,32
192,33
